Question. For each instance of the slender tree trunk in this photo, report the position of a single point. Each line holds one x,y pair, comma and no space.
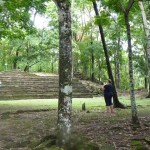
145,81
132,95
99,71
52,67
27,67
148,56
117,63
16,59
52,63
147,33
92,60
92,67
65,72
92,56
109,70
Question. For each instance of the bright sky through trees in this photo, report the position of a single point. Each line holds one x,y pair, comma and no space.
40,21
1,2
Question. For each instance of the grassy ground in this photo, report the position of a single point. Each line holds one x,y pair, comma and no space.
24,123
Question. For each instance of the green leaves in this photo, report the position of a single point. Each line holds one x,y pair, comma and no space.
114,5
103,19
91,0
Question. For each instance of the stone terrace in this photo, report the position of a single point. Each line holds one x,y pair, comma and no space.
22,85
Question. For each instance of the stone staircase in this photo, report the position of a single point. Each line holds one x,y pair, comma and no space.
22,85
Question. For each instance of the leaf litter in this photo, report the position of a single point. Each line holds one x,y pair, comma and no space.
22,130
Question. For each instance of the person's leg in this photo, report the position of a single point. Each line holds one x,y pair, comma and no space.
111,105
112,109
106,97
108,110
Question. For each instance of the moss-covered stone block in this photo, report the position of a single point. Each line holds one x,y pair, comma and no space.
5,115
141,148
147,140
107,148
136,143
46,142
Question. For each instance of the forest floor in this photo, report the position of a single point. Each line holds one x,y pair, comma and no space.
23,127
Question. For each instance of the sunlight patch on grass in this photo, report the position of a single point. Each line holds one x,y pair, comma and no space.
30,104
126,101
91,103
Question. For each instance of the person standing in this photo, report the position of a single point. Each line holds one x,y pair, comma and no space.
108,93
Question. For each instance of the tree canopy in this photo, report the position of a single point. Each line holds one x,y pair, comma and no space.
22,43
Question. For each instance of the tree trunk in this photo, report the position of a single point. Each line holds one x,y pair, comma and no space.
16,59
117,63
27,67
135,120
65,73
145,82
92,61
132,95
99,71
148,43
117,104
148,58
52,64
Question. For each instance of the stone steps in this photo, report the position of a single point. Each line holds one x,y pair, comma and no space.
40,90
21,85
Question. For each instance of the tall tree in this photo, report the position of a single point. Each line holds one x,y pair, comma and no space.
65,72
147,33
117,60
92,57
109,70
132,95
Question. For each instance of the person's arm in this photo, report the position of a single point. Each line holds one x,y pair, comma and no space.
102,88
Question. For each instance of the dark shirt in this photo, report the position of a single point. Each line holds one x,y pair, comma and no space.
108,89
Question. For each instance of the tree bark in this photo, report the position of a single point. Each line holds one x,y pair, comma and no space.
117,104
92,59
148,44
27,67
135,120
65,72
117,62
99,70
16,59
148,57
132,95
